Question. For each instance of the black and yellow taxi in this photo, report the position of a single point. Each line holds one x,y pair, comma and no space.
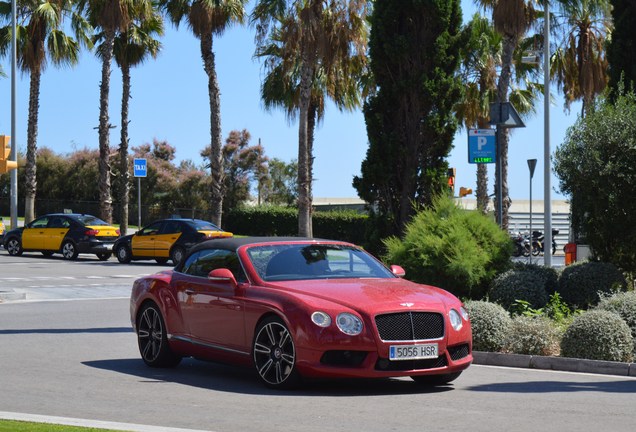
165,239
66,233
2,229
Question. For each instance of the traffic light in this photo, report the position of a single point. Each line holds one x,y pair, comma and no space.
451,180
464,191
6,165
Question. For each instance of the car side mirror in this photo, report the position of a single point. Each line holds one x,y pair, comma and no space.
222,275
397,270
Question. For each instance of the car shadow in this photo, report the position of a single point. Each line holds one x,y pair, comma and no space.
618,386
231,379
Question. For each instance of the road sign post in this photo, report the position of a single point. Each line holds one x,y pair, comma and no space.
140,169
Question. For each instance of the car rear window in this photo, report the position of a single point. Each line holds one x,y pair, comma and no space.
89,220
205,226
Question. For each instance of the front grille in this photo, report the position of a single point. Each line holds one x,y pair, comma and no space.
458,352
408,326
405,365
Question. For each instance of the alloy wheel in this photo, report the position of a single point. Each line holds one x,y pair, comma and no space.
150,334
274,354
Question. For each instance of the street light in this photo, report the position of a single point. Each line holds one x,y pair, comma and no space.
547,199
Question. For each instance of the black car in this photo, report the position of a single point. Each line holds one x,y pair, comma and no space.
165,239
67,234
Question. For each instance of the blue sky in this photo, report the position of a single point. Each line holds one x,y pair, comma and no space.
170,102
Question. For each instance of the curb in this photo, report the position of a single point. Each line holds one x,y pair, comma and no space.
554,363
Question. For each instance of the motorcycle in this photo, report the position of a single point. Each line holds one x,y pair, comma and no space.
537,242
519,243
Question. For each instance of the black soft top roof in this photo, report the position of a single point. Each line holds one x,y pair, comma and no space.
233,243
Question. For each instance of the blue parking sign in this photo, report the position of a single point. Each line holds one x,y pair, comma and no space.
482,146
140,168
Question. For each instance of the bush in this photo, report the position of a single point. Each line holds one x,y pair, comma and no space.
536,335
598,335
623,304
459,250
490,324
515,285
581,283
549,274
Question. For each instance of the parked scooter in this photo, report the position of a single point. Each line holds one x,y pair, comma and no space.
537,242
519,242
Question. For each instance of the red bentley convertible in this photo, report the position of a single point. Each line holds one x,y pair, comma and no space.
295,308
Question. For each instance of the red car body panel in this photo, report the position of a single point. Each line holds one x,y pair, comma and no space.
216,320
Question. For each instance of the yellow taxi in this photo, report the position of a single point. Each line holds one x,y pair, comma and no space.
68,234
165,239
2,228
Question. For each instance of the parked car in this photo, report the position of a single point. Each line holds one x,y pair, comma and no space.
2,229
166,239
298,308
67,234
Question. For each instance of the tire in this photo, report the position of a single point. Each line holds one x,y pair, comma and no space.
47,253
161,261
435,380
176,255
123,254
104,256
14,246
152,339
274,355
526,250
517,251
69,250
536,249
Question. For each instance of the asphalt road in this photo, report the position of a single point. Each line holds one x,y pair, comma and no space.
79,359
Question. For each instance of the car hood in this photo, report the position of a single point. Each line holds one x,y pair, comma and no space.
372,295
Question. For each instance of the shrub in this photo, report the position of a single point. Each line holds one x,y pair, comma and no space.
549,274
581,283
515,285
598,335
456,249
623,304
490,324
536,335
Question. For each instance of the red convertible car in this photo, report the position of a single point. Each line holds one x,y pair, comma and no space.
295,308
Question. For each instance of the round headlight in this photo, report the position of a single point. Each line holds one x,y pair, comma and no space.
349,324
455,319
321,319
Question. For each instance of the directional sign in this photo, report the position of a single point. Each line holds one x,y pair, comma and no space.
482,147
141,168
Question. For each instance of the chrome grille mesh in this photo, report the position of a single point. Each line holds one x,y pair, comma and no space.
407,326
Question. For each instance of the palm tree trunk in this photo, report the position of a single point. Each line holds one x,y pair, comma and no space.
124,180
216,157
304,177
482,179
105,197
31,156
311,129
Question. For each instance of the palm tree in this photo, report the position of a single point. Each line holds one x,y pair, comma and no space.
512,19
131,48
317,40
281,88
40,38
111,16
209,18
579,63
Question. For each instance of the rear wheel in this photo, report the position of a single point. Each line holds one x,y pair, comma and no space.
123,254
435,380
47,253
104,256
161,260
69,251
153,340
14,246
275,355
177,254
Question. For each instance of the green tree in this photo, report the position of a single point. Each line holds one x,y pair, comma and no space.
40,38
596,168
206,19
579,62
622,46
281,189
313,48
131,48
415,53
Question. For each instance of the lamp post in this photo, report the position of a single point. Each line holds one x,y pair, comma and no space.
13,187
547,199
532,163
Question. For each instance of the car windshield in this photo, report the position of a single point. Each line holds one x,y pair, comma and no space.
315,261
88,220
205,226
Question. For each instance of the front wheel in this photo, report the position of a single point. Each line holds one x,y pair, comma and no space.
153,340
69,251
104,256
275,355
435,380
176,255
14,247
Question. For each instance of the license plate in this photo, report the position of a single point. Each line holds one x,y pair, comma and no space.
413,352
108,246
